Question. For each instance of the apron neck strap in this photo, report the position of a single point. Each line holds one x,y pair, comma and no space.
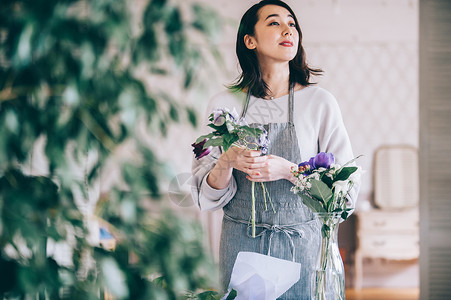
291,103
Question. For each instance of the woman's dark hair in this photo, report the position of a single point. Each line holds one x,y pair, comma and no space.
251,77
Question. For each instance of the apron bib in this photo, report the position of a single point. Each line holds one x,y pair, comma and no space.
291,233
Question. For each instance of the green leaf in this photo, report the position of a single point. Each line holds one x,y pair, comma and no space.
189,75
220,129
320,190
214,142
344,215
255,132
232,295
160,281
311,203
203,137
173,113
229,139
191,116
345,173
325,231
209,295
327,180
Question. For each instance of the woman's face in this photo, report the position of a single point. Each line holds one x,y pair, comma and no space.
276,38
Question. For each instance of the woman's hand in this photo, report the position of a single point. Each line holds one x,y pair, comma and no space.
241,159
274,168
247,161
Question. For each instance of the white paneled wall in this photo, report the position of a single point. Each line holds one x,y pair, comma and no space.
376,85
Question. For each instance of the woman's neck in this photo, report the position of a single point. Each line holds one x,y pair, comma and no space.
277,78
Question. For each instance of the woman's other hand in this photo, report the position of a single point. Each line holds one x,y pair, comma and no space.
274,168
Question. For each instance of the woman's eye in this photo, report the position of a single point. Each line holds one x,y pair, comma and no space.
293,24
273,23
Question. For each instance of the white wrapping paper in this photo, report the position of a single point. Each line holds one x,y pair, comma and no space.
261,277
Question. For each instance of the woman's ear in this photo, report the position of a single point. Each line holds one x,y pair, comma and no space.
250,42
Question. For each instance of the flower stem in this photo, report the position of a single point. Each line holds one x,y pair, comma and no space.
321,275
253,209
264,195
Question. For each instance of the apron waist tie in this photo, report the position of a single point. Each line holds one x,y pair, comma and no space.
289,230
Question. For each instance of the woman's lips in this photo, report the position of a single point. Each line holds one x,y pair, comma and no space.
286,44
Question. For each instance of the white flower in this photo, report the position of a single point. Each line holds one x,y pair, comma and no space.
341,186
334,167
234,114
321,169
219,121
219,116
243,122
230,126
314,175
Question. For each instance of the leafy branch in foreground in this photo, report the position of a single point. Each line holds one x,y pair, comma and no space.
72,94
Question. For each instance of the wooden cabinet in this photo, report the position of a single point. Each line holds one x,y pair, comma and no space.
386,234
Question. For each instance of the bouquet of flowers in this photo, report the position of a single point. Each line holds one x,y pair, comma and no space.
229,130
323,187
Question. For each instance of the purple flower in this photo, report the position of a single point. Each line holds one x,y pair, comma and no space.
219,121
263,141
222,115
199,150
219,116
304,168
322,160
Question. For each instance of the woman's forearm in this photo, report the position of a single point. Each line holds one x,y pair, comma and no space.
221,174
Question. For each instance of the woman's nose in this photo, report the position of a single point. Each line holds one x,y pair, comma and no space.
287,31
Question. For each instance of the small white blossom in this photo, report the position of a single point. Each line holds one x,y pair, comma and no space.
341,186
230,126
234,114
243,122
219,121
355,177
335,167
315,176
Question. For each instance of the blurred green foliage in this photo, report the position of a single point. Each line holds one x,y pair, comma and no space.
68,75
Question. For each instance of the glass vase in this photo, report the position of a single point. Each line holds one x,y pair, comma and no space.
328,280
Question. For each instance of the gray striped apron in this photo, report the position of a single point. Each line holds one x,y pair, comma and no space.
291,233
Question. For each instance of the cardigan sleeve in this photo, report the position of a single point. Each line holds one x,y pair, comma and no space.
333,138
204,196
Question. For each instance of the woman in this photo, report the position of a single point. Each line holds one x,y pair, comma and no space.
273,90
